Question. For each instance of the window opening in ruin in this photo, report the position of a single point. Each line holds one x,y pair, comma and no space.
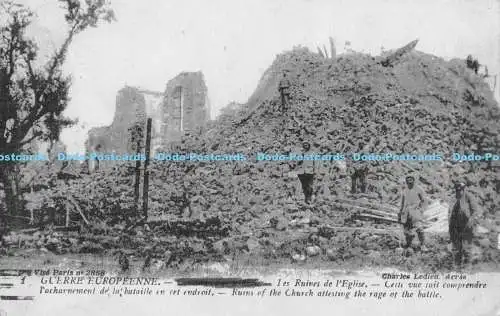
179,106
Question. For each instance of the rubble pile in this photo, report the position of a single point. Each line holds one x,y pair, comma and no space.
170,244
417,104
210,227
98,197
422,105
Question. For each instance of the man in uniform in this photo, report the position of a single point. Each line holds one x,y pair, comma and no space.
411,213
463,218
359,171
306,172
3,227
284,89
358,177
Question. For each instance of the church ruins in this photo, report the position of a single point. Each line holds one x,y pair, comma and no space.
182,107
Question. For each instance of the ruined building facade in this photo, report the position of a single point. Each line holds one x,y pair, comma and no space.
181,108
185,106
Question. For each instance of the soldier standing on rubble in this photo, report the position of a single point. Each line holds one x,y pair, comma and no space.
358,178
185,200
3,227
306,172
284,89
359,173
411,213
463,218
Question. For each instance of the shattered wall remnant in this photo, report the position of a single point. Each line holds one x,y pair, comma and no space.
115,138
181,108
185,105
153,109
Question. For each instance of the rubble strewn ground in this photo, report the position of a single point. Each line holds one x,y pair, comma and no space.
254,211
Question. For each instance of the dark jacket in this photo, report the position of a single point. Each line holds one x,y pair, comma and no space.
284,87
464,209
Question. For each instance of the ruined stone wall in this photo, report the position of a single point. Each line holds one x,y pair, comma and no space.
154,101
186,92
185,105
130,107
115,138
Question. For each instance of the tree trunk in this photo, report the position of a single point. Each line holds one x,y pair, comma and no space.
8,179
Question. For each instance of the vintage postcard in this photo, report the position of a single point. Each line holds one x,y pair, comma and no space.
249,157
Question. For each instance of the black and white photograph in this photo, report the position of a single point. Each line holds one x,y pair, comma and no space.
249,157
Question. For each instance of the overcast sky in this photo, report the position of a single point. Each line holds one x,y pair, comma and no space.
234,41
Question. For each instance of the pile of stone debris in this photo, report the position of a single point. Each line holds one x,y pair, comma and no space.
422,105
417,103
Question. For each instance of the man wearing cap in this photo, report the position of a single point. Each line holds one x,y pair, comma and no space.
284,89
411,213
3,227
306,172
463,218
360,170
358,177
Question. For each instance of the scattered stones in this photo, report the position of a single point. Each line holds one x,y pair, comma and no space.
313,251
332,254
400,109
252,244
299,258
